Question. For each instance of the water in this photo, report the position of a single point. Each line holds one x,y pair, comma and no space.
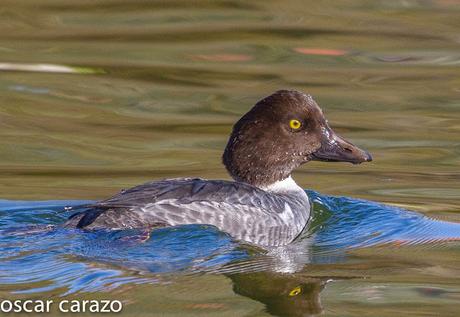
348,241
135,91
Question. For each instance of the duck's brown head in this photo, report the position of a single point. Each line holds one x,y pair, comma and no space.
280,133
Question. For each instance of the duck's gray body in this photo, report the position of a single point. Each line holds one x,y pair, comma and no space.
267,218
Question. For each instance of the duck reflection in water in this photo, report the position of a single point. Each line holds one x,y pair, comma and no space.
282,294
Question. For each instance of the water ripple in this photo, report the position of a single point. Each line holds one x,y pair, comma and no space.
75,261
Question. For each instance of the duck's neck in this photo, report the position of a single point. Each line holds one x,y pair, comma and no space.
285,186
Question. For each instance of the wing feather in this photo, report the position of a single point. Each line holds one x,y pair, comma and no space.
187,190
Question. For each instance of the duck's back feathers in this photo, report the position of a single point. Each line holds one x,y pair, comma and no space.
187,190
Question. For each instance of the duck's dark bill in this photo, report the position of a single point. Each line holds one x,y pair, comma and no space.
336,149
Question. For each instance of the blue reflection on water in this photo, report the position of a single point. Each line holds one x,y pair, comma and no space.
342,222
36,255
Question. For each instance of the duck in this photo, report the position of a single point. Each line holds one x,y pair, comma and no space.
262,204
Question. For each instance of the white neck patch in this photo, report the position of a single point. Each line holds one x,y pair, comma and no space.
283,186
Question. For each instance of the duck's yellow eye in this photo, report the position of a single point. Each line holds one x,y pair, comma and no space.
295,291
295,124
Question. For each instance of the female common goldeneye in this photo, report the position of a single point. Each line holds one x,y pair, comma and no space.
263,205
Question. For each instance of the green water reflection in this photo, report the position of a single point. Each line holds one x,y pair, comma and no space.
152,89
